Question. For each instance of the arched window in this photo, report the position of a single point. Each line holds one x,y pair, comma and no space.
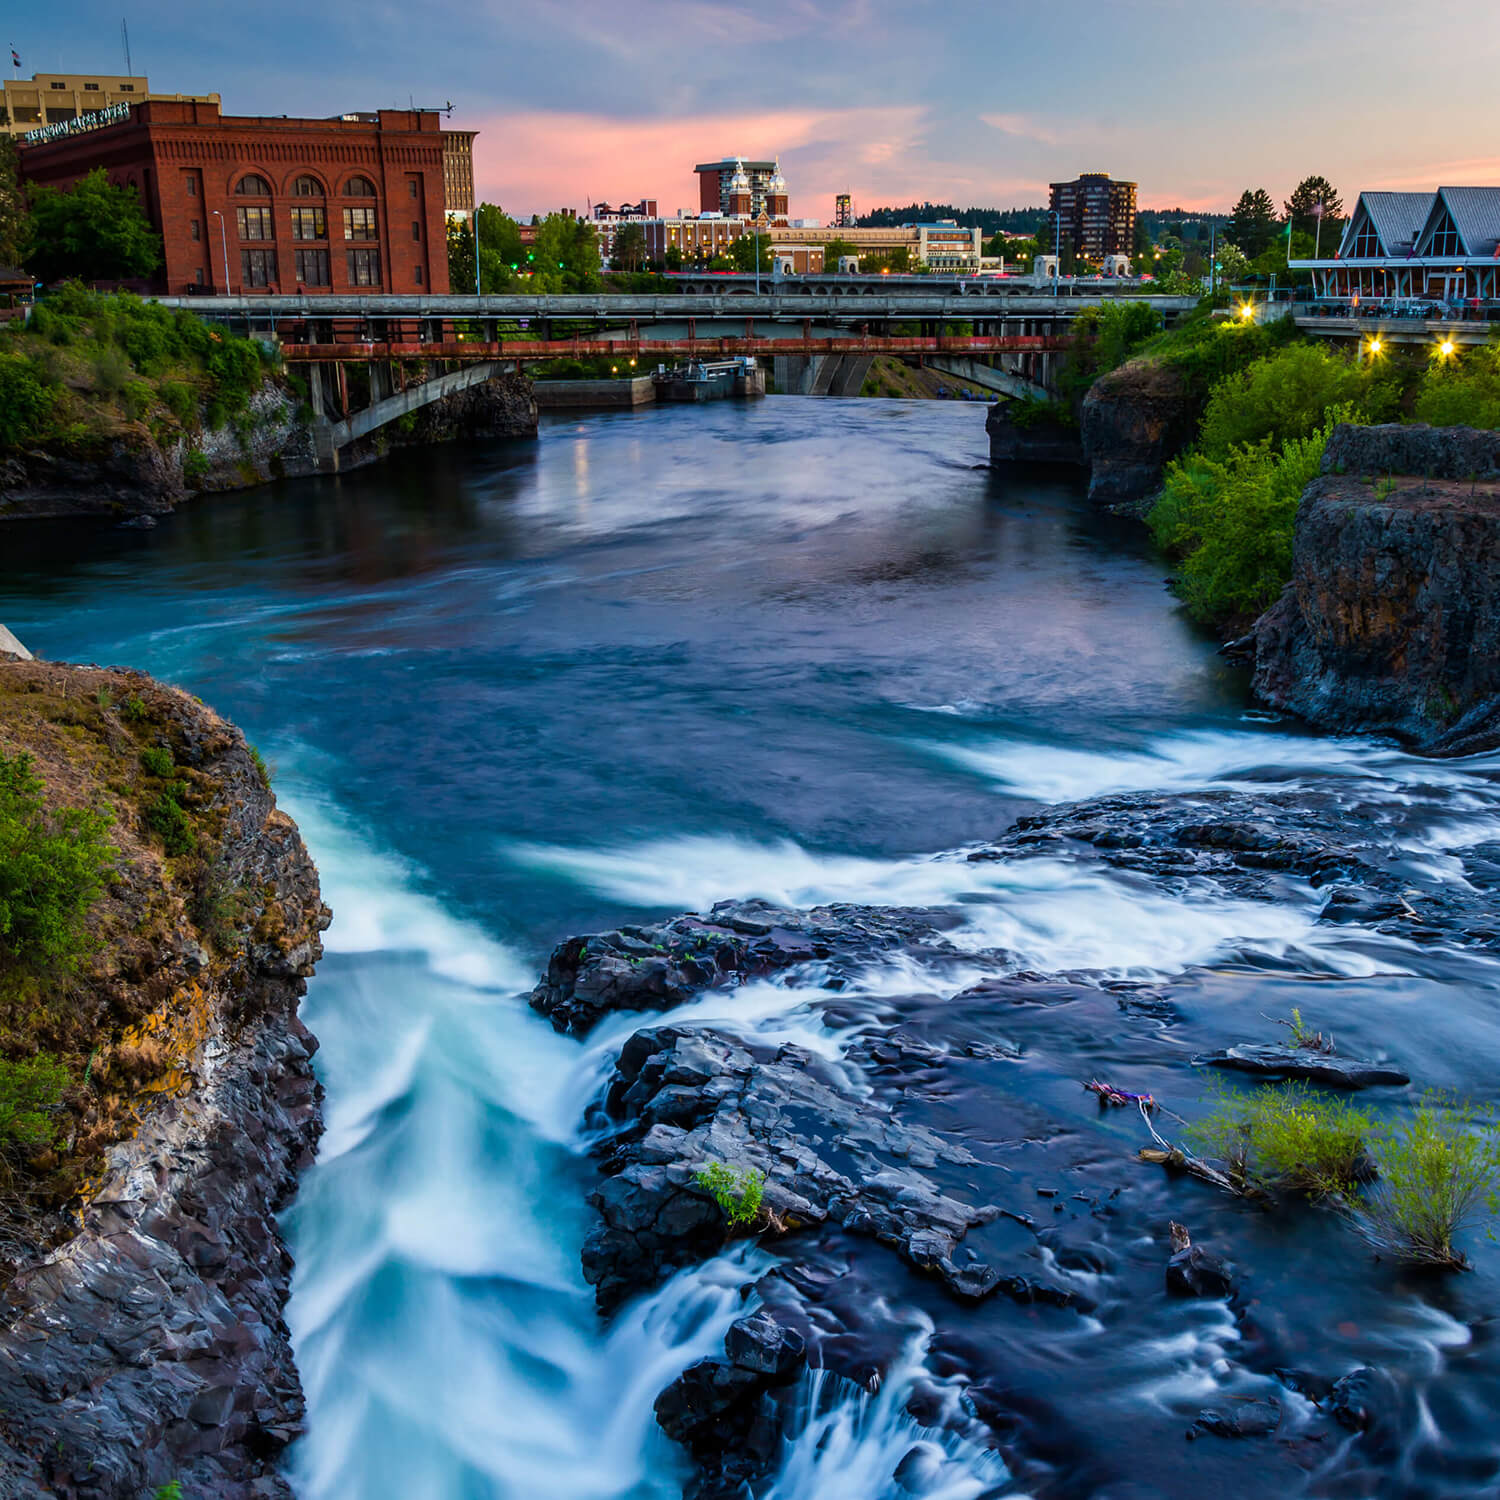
307,187
359,187
253,185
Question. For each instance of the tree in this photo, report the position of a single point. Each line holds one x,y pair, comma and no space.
673,258
629,248
13,223
1233,263
94,232
743,252
1253,224
1308,197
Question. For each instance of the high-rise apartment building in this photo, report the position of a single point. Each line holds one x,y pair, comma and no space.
1098,215
762,183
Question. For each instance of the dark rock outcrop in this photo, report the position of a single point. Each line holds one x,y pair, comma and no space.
1040,440
1133,421
1391,621
659,966
146,1341
1267,1060
724,1410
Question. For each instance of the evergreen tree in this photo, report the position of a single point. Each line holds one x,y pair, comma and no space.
1253,224
1302,208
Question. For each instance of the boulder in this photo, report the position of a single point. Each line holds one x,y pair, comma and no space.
1037,439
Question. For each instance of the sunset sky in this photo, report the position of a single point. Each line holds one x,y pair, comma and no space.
965,101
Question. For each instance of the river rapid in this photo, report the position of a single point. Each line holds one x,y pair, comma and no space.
805,651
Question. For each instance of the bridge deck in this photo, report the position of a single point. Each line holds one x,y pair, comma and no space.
531,350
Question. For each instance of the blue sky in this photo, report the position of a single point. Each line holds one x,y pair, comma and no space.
892,100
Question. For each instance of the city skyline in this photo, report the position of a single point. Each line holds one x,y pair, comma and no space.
980,105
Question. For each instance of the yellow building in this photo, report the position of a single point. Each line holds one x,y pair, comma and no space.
59,98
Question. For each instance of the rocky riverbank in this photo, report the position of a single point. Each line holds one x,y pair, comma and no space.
131,473
944,1157
142,1336
1391,622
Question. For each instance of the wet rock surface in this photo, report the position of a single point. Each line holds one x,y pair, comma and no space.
1267,1060
661,965
1391,622
1043,442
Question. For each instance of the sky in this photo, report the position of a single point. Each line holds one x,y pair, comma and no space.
971,102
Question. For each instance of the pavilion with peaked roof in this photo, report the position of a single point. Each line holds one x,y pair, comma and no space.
1440,246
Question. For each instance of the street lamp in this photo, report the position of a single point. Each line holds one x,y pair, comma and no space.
224,245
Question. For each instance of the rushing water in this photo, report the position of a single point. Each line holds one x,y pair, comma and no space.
802,650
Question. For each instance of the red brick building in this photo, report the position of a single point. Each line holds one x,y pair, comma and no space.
248,203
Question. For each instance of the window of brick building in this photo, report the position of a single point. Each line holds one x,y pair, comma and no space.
411,187
416,229
417,277
192,184
198,277
258,267
312,268
359,187
307,187
310,223
254,223
253,185
364,267
197,229
359,224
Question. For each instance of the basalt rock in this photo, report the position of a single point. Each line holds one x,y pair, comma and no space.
142,1336
1391,621
660,966
1267,1060
1133,421
683,1098
1038,440
1196,1272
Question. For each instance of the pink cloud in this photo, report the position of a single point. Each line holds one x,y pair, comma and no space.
533,161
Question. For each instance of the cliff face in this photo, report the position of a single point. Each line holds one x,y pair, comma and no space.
141,1329
131,474
1134,420
1391,622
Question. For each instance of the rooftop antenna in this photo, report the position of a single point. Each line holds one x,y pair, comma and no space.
125,43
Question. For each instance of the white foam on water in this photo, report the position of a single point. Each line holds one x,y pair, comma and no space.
853,1445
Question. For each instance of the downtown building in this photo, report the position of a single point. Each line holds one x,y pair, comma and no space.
1097,214
250,203
736,186
67,101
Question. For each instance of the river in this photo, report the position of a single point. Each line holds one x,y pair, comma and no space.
799,650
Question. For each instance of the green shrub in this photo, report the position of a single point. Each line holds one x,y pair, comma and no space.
1031,411
1462,392
111,370
180,399
1231,522
261,768
157,762
134,710
52,866
737,1193
138,399
30,1092
1289,394
172,1490
165,818
1439,1171
26,401
195,467
1286,1137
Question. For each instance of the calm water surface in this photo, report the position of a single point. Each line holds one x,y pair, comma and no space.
799,650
